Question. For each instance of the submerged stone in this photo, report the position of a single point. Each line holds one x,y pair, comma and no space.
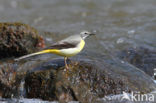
142,58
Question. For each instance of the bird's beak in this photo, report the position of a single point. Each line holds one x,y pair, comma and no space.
92,34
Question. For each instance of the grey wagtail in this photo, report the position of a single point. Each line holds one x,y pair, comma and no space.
67,47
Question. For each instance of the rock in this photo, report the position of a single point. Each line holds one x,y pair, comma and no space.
17,39
142,58
8,81
86,82
83,83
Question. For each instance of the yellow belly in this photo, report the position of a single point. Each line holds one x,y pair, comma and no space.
65,52
72,51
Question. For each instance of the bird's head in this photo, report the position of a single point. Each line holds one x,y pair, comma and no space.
85,34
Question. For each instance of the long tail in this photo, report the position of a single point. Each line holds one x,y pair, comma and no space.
33,54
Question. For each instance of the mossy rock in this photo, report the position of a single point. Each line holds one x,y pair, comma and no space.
83,83
17,39
86,81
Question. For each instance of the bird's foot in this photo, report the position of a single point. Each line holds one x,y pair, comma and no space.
66,71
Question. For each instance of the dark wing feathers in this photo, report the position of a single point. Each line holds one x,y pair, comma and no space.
63,45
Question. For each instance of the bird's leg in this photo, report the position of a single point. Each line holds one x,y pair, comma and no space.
65,62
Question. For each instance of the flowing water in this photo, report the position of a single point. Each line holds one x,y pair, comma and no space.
119,24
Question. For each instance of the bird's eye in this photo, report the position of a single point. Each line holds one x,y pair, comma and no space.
85,33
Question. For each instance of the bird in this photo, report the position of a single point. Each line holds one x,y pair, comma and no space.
67,47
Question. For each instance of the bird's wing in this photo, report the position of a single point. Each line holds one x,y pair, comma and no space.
63,45
69,42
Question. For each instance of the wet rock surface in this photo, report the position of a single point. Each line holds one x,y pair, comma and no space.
86,81
82,83
142,58
17,39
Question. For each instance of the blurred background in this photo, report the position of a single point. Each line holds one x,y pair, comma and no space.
118,23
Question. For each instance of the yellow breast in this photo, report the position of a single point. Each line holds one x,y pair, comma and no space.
72,51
